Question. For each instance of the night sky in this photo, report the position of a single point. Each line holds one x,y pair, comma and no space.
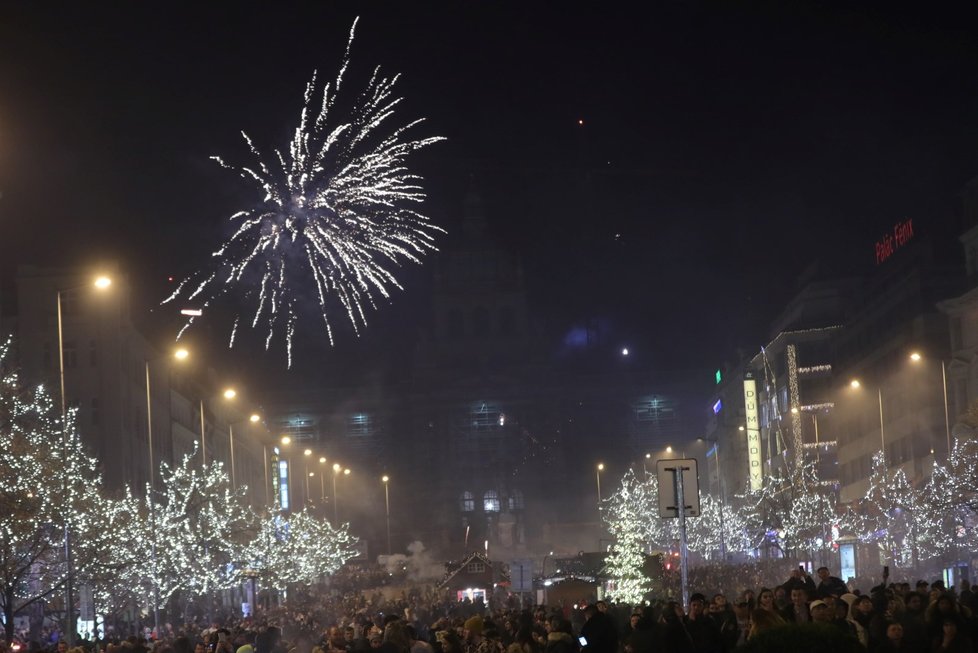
724,146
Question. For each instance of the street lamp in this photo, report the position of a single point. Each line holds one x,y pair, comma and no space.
855,384
180,354
305,455
230,394
387,501
336,510
597,476
100,283
322,484
716,453
916,358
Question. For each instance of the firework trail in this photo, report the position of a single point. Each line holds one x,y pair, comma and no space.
340,209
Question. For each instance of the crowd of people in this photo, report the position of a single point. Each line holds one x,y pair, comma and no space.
890,617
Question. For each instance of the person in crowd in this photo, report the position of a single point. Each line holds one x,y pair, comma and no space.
742,612
914,627
829,584
765,600
725,619
951,639
560,637
645,636
894,641
763,620
860,616
820,612
523,641
797,611
598,631
703,631
799,579
675,637
944,607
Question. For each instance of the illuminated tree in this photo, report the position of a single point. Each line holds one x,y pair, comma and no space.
632,516
48,486
629,513
718,528
896,516
298,549
951,500
112,554
792,512
197,531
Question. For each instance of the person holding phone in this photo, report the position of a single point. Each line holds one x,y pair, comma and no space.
800,579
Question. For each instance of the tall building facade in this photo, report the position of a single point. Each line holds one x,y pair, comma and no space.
494,436
136,408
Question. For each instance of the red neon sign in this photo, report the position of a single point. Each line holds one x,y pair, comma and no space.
890,243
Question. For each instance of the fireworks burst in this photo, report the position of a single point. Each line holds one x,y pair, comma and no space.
339,211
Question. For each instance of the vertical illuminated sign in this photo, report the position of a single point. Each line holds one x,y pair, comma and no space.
283,484
754,470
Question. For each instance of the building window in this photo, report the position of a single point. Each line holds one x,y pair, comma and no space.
95,416
359,425
47,356
485,414
71,355
490,501
476,567
516,500
467,501
92,353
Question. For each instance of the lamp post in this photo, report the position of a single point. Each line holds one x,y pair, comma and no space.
387,502
229,395
180,354
716,453
337,468
855,385
305,469
916,358
264,454
203,440
322,483
101,283
597,477
336,503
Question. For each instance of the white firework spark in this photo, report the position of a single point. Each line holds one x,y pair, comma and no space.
339,210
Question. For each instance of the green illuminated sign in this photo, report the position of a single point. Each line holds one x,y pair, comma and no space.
718,377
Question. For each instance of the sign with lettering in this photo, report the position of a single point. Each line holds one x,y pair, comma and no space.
753,429
891,242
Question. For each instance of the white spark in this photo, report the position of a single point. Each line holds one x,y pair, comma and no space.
335,216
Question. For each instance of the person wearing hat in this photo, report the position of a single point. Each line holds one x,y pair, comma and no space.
820,612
